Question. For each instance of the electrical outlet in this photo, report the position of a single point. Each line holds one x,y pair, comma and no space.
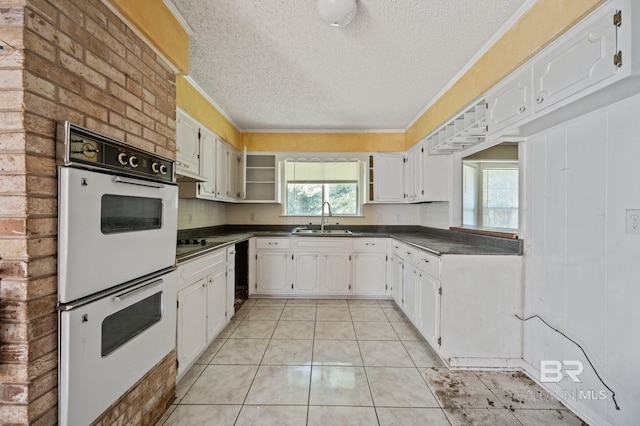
397,217
252,217
190,217
633,221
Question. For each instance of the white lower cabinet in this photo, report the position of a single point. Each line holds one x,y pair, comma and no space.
410,292
273,272
317,266
205,303
336,271
369,270
395,278
369,267
192,323
428,321
306,273
216,302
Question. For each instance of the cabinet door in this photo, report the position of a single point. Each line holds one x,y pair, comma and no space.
369,272
306,272
233,158
231,291
216,302
410,292
417,170
387,178
207,188
241,175
222,170
429,308
396,279
336,273
509,102
272,272
436,177
576,64
192,327
187,145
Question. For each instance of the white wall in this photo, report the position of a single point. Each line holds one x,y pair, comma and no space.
582,271
200,213
434,214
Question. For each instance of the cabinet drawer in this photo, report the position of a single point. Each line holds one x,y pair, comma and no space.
201,265
429,263
407,253
395,246
322,243
273,243
369,244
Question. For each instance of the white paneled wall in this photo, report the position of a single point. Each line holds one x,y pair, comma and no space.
582,271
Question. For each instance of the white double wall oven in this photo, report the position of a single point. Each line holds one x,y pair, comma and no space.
116,269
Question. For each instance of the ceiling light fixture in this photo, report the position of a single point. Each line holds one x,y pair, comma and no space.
336,13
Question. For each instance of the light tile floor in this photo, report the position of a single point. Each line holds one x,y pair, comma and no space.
344,362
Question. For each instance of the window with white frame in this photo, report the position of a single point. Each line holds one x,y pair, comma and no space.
490,194
309,184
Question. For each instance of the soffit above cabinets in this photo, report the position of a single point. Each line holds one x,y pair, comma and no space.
273,65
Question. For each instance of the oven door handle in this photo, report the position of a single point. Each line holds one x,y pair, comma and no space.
119,179
125,295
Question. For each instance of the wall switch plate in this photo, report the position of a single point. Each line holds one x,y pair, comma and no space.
633,221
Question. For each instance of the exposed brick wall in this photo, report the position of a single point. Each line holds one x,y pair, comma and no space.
148,398
63,60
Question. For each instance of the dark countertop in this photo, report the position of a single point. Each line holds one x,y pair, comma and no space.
433,240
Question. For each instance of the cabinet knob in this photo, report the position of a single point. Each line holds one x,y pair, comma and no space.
425,260
522,109
540,99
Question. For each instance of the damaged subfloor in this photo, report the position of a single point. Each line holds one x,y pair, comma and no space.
345,362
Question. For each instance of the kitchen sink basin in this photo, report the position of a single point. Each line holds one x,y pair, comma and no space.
325,232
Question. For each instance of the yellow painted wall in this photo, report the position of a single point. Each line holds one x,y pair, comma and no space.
159,25
540,25
196,105
338,142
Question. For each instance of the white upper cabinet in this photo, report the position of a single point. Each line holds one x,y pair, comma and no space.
575,64
585,69
413,174
509,102
222,171
386,178
207,189
437,176
187,146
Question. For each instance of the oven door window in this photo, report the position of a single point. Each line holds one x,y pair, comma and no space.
126,324
119,213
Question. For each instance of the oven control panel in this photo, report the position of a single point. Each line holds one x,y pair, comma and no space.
84,147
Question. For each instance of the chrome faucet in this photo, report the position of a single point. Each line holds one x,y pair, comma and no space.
322,218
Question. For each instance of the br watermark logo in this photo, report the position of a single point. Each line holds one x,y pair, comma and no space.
551,371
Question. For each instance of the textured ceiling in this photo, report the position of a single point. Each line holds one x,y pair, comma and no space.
273,65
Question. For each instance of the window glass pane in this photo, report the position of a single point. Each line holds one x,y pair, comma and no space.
120,213
342,197
124,325
469,194
304,199
500,198
308,184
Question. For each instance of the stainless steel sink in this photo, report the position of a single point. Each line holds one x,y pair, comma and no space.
325,232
